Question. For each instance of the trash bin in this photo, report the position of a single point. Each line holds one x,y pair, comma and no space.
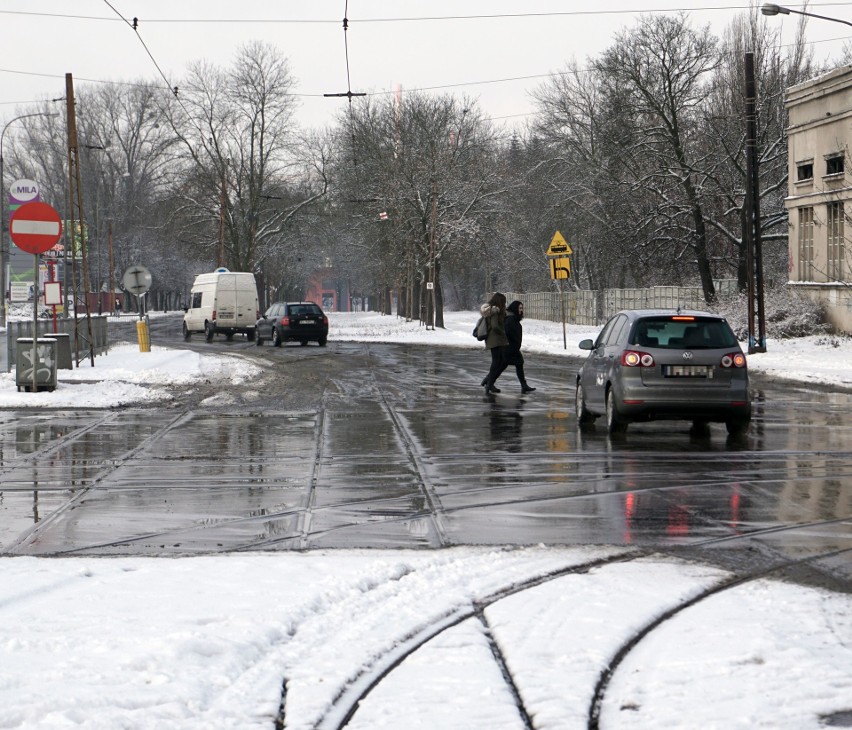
63,349
44,365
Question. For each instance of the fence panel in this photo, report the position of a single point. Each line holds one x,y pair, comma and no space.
582,307
24,328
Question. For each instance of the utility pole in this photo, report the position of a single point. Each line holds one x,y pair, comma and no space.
430,284
223,201
111,265
754,250
75,185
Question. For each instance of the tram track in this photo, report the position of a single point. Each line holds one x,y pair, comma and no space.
355,692
78,493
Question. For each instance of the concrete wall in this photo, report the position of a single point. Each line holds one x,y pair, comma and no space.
820,127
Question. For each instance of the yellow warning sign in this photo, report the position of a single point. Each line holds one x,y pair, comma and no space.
558,246
560,268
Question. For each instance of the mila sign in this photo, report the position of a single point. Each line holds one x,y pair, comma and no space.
23,191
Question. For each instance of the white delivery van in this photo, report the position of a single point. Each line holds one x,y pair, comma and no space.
222,301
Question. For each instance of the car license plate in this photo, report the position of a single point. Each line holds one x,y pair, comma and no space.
309,321
688,371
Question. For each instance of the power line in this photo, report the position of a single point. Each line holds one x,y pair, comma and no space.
403,19
135,27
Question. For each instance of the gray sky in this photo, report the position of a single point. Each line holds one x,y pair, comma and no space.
41,40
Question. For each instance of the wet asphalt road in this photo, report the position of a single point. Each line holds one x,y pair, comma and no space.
357,445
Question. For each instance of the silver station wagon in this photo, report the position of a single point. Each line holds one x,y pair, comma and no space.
650,365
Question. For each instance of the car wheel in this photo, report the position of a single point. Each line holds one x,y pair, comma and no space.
737,426
584,416
614,424
321,341
208,332
229,336
186,333
303,342
276,338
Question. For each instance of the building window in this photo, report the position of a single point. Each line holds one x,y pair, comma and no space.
805,171
806,244
835,241
834,165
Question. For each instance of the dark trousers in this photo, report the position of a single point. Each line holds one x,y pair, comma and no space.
498,365
500,360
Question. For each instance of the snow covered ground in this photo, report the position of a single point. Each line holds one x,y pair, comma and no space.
207,642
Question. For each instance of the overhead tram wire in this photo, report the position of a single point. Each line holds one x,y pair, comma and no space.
348,93
480,16
135,27
172,89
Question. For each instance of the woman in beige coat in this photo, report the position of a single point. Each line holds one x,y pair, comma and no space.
495,314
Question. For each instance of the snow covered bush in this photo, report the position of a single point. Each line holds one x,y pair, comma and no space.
787,314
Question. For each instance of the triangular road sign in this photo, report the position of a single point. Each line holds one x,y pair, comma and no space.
559,246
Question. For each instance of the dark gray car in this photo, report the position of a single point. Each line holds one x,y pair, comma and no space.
300,321
650,365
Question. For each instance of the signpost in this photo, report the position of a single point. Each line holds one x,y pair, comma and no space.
137,280
560,269
35,227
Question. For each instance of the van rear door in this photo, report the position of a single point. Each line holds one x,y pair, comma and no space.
246,300
226,300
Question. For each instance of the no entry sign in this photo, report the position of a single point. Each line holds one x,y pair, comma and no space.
35,227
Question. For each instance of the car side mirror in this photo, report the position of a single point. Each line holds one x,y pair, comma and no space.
587,345
185,310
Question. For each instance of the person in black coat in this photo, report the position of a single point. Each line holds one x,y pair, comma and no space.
515,335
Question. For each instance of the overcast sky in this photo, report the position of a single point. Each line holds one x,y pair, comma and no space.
494,50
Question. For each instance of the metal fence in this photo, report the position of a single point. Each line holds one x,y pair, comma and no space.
24,328
593,308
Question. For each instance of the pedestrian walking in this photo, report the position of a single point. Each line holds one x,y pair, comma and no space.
515,336
494,312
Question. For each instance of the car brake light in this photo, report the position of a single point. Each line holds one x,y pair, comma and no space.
733,360
324,320
214,314
285,321
681,318
633,359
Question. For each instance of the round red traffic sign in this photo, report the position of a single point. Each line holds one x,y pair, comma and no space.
35,227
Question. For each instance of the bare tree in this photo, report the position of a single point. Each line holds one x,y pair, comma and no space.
403,161
659,70
245,172
776,68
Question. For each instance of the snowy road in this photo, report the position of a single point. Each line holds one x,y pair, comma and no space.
669,593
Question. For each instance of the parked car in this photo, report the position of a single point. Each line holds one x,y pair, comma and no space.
650,365
302,322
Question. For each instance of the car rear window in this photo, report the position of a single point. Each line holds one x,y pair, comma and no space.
678,332
305,309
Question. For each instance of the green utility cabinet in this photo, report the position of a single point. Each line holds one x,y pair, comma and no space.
44,365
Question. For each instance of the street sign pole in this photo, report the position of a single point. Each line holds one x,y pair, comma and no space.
35,227
137,280
35,322
560,268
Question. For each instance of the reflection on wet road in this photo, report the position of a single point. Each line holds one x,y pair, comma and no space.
407,452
